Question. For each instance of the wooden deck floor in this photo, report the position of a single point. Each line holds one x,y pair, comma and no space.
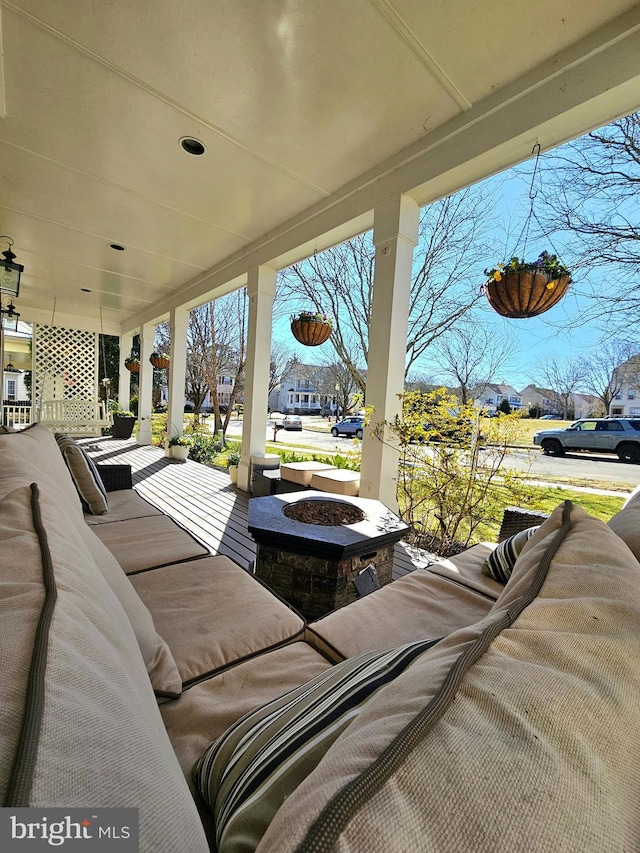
203,500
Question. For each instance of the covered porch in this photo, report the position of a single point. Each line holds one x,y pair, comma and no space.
203,500
152,164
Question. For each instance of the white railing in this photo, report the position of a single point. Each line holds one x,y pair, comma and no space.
16,416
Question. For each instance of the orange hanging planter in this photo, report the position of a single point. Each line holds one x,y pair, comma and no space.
132,364
519,290
311,329
160,361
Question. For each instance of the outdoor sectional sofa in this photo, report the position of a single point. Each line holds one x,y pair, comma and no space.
128,651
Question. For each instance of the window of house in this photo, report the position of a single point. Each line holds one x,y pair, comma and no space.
631,395
11,389
618,396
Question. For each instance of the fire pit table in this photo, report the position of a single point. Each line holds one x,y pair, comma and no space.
312,546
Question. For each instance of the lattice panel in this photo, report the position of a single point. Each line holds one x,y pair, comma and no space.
66,364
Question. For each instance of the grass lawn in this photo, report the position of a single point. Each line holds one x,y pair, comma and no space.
528,426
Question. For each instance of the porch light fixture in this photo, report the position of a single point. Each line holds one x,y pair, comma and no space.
11,369
10,318
10,272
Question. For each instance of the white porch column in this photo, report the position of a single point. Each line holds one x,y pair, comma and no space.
178,323
395,234
147,337
261,288
124,375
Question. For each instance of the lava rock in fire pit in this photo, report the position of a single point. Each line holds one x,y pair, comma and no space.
324,513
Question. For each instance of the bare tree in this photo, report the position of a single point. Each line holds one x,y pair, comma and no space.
216,344
562,377
591,191
472,354
448,263
613,365
280,362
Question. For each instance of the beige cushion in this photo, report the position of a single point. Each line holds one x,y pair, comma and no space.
302,472
338,481
32,455
626,523
414,607
161,667
85,476
213,613
143,543
466,568
101,738
124,504
542,709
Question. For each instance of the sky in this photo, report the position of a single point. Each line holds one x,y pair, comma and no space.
560,331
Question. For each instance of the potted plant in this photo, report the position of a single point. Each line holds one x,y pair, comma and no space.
518,288
123,423
311,328
179,447
233,460
159,360
132,363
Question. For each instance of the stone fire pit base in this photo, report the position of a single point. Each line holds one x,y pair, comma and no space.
316,586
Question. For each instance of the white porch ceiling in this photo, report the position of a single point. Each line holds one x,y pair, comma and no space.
311,111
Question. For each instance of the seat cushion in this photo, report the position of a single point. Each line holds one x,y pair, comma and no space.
302,472
535,704
466,568
212,613
124,505
339,481
144,543
418,605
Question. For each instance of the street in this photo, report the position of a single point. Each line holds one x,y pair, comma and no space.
594,470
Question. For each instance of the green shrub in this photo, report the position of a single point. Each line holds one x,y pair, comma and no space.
203,447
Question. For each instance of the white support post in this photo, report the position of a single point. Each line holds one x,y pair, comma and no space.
395,234
178,324
124,375
261,288
145,391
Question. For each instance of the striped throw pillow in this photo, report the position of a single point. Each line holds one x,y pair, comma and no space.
85,476
500,563
246,775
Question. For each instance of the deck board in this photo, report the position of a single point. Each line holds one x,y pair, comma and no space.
203,501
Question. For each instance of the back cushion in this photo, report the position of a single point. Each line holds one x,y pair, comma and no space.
520,733
101,740
85,476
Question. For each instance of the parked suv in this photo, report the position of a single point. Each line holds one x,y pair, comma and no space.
349,426
600,435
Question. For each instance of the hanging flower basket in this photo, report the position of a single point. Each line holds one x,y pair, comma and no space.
160,361
132,364
519,290
311,328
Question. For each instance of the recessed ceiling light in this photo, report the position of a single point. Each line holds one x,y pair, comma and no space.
192,146
85,290
117,247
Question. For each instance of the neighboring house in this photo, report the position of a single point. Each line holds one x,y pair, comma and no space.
587,406
542,399
17,363
489,396
626,402
299,392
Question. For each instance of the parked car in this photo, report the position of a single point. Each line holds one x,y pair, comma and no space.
349,426
551,418
599,435
292,422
